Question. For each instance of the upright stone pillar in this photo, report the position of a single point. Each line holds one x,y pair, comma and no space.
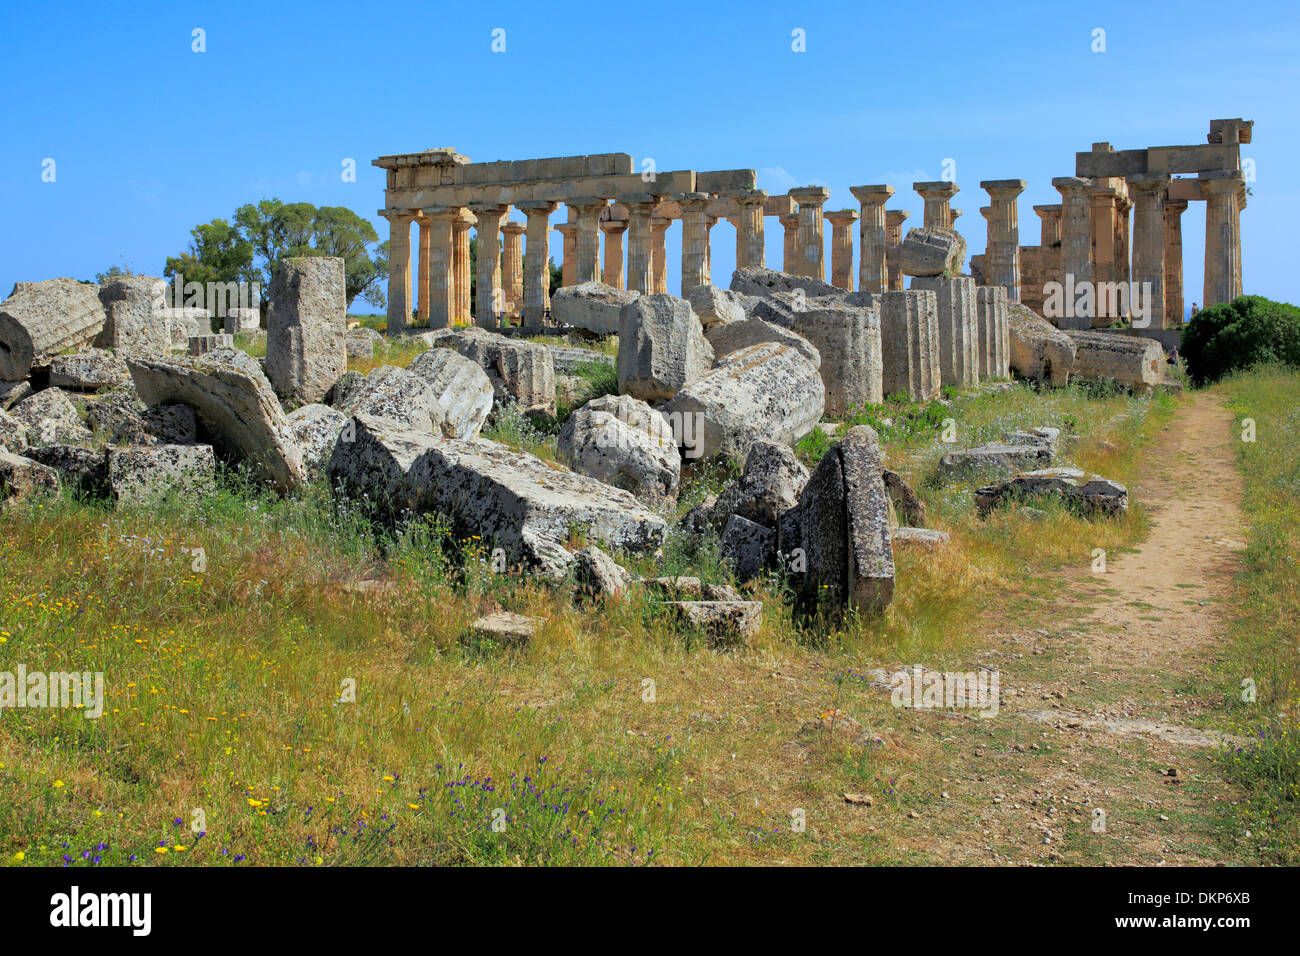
1049,230
958,335
461,226
442,279
588,212
695,241
842,247
513,266
790,246
659,249
994,333
612,275
1076,243
909,343
1104,227
537,272
1148,192
1123,256
812,240
640,242
749,229
569,249
1174,209
894,219
422,282
873,237
1224,193
937,196
1002,254
399,268
487,288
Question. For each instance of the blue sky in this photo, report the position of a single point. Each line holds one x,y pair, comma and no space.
150,138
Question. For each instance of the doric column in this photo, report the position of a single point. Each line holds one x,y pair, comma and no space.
1148,192
1224,194
1174,209
873,274
1123,256
537,272
1076,240
586,213
399,268
461,226
612,274
442,280
695,240
937,197
842,221
749,229
422,282
812,240
953,215
1049,231
569,250
487,284
1103,218
790,246
1002,252
659,249
640,241
513,266
894,219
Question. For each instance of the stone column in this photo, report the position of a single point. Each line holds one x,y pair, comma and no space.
1148,192
695,241
1076,240
894,219
1224,193
513,266
842,247
569,250
537,273
812,240
749,229
1123,258
659,249
461,265
790,247
422,282
640,241
586,213
1002,253
612,274
442,279
937,197
873,241
1049,232
1103,227
1174,209
399,268
487,286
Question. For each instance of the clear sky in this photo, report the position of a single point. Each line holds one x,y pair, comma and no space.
150,138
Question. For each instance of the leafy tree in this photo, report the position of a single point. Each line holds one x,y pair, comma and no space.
218,252
1249,330
112,272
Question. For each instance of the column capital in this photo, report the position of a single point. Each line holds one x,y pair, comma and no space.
1222,182
1003,188
587,203
896,217
613,227
1048,211
1148,182
537,205
1066,185
750,197
1176,206
843,217
514,228
937,190
872,195
953,214
986,212
565,228
397,215
444,213
488,209
694,202
812,195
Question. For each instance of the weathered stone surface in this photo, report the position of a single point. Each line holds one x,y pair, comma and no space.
599,575
734,336
184,324
211,342
1131,361
146,475
242,320
345,386
506,627
591,306
42,319
20,477
511,500
81,468
766,392
234,403
909,342
361,343
306,328
844,524
747,547
932,252
688,587
13,434
1039,350
907,503
724,623
762,282
994,458
87,370
135,316
122,419
848,340
958,334
920,539
1036,435
51,419
461,390
316,428
568,359
396,394
11,393
623,442
520,372
769,485
779,308
993,331
714,306
661,347
1091,495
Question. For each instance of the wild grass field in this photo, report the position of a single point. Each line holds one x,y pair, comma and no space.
307,693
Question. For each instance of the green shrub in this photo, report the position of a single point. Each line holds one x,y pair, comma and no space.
1248,331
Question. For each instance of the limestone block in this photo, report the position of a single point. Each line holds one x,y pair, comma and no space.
661,347
1135,363
599,575
80,468
761,282
766,392
316,428
183,324
11,393
747,547
908,505
146,475
623,442
725,624
461,390
994,458
51,418
135,315
932,251
958,336
919,539
909,342
848,340
1089,494
520,372
41,319
568,359
13,434
506,627
769,485
203,344
306,328
122,419
1039,350
725,339
21,477
88,370
361,343
242,320
993,332
591,306
714,306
